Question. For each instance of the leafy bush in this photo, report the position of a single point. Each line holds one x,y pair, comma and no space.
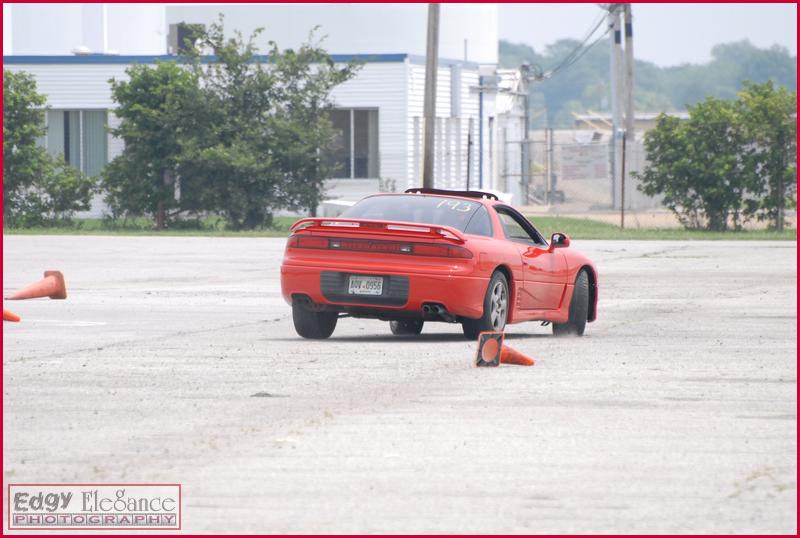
37,187
154,109
731,161
239,136
769,115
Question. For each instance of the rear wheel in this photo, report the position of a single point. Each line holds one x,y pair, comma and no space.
495,309
315,325
412,326
578,309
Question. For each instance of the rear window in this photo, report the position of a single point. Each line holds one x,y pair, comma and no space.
417,208
480,223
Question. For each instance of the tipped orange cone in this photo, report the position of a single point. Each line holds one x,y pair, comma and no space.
492,352
52,285
8,315
512,356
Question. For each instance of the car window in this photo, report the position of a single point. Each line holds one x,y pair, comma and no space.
515,230
480,223
417,208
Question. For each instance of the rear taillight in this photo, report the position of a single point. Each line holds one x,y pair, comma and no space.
300,241
386,247
443,251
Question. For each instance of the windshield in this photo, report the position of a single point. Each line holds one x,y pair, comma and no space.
417,208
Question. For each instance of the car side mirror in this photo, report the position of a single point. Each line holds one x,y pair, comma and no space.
559,240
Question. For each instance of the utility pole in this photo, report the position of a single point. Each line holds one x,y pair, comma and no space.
622,187
630,124
525,165
431,70
469,156
616,101
781,203
551,146
630,118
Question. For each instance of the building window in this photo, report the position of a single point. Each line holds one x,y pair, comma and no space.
95,146
354,153
79,136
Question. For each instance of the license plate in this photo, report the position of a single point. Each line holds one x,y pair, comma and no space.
365,285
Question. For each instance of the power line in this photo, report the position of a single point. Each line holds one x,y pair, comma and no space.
585,50
573,57
580,50
594,26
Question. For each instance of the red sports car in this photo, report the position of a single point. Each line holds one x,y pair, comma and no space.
434,255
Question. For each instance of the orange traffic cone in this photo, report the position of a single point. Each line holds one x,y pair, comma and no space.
52,285
490,345
492,352
512,356
8,315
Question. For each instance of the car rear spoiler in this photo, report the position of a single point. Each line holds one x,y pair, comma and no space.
380,227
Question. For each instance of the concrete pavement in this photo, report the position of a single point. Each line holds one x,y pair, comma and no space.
175,360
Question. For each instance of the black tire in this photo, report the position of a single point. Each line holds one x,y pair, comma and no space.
496,304
315,325
578,309
410,326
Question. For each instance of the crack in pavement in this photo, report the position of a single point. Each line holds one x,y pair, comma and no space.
132,341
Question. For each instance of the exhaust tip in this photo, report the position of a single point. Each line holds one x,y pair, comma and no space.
435,309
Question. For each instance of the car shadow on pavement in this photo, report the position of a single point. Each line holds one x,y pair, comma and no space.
436,337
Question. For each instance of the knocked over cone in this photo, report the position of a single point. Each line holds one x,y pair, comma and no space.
52,285
10,316
492,352
512,356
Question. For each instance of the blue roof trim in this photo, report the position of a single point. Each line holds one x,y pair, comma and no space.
147,59
443,62
133,59
87,59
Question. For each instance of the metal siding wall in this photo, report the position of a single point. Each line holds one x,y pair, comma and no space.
74,86
395,89
381,86
456,178
470,109
415,106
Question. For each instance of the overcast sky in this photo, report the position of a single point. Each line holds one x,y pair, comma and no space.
667,34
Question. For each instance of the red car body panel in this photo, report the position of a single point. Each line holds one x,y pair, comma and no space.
541,279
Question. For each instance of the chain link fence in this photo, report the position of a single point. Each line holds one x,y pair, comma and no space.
573,169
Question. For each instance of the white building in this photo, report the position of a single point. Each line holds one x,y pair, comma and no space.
510,109
74,49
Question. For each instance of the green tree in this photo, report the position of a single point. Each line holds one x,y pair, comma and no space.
37,187
262,129
302,123
235,133
702,167
155,108
770,118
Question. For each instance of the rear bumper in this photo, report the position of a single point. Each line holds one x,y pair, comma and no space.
404,291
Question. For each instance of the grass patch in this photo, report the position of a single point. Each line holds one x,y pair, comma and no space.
207,227
593,229
215,227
